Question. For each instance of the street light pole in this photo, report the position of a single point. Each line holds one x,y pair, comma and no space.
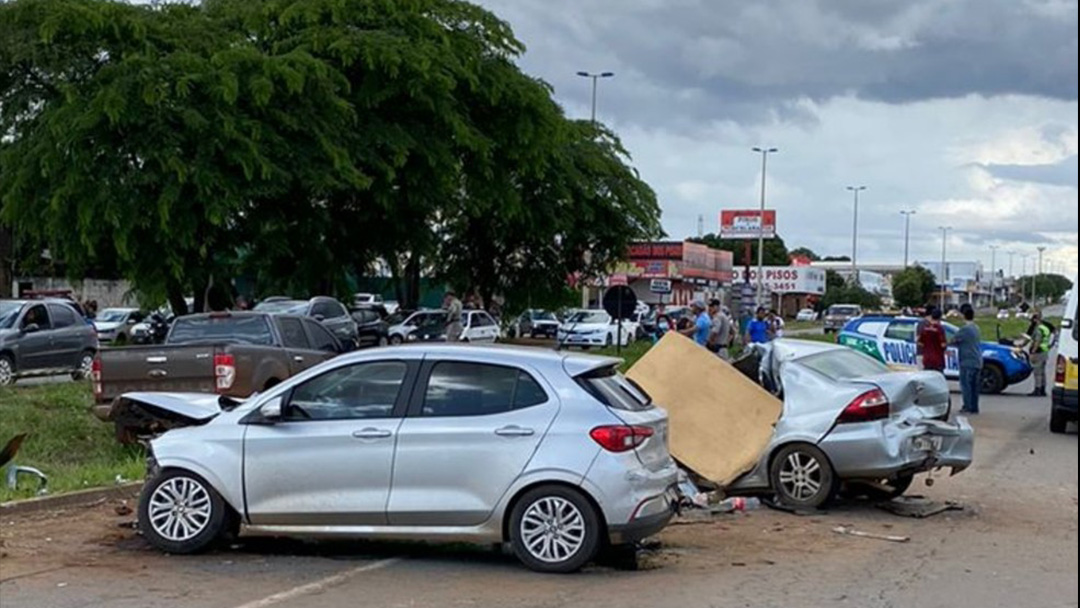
907,235
595,85
764,152
993,272
855,235
1035,281
944,263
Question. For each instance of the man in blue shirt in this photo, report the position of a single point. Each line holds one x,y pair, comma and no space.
968,341
699,331
758,330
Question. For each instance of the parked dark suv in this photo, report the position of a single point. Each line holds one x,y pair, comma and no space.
328,311
44,338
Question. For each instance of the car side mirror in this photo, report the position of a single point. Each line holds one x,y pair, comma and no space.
268,414
131,321
31,328
320,318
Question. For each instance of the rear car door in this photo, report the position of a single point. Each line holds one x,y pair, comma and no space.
324,345
329,462
335,318
297,345
36,352
472,429
484,327
68,335
898,345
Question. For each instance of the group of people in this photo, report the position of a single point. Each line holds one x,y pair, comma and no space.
934,342
712,327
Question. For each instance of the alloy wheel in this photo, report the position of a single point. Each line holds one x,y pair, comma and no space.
553,530
180,509
801,476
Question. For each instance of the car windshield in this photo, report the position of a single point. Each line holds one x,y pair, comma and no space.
282,307
843,311
112,315
844,365
588,317
8,312
226,329
543,315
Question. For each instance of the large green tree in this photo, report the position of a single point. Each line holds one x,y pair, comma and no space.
914,287
776,252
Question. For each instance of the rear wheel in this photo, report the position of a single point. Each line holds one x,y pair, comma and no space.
85,366
992,381
180,513
555,530
396,340
383,341
1058,423
803,477
7,371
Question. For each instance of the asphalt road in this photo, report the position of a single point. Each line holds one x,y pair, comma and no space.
1014,546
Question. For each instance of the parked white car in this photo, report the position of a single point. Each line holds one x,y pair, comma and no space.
114,325
589,328
807,315
399,332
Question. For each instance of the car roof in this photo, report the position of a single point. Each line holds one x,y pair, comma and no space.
787,348
573,363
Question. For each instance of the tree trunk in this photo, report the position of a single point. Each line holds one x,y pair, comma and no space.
176,298
412,282
6,261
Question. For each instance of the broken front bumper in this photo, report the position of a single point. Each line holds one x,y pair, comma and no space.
885,450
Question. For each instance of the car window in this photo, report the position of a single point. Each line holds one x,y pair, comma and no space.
9,311
901,330
320,337
328,310
37,315
357,392
292,333
844,365
283,307
484,320
616,391
227,329
369,316
872,328
586,317
63,316
473,389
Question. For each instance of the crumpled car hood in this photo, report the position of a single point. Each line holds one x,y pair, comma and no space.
140,415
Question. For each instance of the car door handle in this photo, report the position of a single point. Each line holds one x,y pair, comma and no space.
372,434
157,360
515,431
298,359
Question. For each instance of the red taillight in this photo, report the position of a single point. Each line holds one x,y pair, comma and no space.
224,371
95,377
1059,377
867,407
620,439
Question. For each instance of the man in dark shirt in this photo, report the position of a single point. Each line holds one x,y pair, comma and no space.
933,342
969,343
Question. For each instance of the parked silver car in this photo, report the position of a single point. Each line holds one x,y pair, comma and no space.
848,419
555,454
44,338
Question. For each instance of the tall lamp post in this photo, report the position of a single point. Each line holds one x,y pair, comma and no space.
1035,281
855,190
907,235
993,273
595,85
945,230
764,152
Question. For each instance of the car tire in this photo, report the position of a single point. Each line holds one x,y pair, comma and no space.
555,513
992,381
7,371
609,342
396,340
1059,424
802,477
180,513
85,366
383,341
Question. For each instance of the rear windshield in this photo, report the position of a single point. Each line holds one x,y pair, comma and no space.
843,311
291,307
222,330
616,391
844,365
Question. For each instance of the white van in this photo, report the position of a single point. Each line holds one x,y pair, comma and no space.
1065,391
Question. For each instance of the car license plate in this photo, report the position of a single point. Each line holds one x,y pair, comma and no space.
929,444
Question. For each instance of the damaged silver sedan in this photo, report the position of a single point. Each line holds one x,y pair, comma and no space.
849,420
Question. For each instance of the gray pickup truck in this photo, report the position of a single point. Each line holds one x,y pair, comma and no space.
229,354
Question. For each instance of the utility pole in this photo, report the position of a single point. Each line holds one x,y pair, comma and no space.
856,190
595,85
1035,281
907,235
944,263
764,152
993,273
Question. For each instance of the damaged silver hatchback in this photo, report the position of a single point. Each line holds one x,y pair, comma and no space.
850,420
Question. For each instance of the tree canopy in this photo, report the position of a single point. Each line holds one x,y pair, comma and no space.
914,287
776,253
299,142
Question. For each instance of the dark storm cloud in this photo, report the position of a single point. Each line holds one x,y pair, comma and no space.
719,59
1059,174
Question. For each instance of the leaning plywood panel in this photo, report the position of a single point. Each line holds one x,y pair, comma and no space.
721,422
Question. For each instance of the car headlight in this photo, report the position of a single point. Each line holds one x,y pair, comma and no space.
411,338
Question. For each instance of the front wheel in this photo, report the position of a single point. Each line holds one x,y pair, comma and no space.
180,513
992,380
555,530
803,477
7,371
396,340
1059,424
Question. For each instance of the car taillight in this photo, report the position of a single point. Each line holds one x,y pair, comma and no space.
95,377
620,439
1059,377
224,371
867,407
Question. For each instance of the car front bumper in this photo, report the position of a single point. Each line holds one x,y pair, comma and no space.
884,450
583,339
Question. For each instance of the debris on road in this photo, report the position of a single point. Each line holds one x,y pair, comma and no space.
123,510
918,507
845,531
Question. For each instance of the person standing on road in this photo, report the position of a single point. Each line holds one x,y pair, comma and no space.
453,307
702,325
720,333
933,342
758,330
969,342
1041,340
776,324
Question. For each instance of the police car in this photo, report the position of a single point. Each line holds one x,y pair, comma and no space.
892,341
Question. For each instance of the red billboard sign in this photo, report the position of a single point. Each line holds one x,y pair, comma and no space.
747,224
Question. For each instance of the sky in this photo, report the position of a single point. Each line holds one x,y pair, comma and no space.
964,111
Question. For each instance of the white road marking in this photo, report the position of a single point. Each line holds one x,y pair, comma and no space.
319,586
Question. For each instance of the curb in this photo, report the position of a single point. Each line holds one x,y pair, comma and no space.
74,499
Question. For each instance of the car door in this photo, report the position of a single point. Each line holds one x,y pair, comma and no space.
471,431
36,352
297,345
898,344
66,336
324,345
329,461
483,328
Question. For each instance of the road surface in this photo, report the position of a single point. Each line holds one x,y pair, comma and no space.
1015,546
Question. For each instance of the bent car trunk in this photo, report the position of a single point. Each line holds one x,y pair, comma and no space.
139,416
